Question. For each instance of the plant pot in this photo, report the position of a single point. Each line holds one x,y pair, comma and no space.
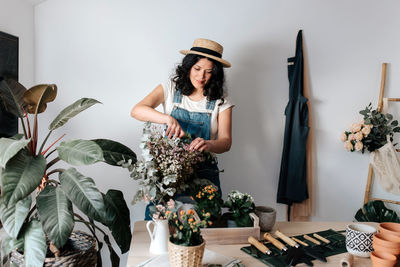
185,255
80,250
267,217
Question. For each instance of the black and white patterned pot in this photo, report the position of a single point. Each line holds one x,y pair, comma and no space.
359,239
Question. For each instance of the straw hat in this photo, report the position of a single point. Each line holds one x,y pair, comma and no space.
207,48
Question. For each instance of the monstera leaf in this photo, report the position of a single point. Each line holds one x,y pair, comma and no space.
375,211
38,96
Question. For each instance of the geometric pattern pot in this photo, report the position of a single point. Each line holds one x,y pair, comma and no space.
359,239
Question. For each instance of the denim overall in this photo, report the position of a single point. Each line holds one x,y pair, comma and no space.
198,124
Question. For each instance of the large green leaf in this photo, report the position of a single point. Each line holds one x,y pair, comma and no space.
8,244
11,95
82,191
9,148
115,152
376,211
22,174
56,215
71,111
80,152
118,213
35,246
14,216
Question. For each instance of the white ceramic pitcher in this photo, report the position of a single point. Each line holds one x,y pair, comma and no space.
159,236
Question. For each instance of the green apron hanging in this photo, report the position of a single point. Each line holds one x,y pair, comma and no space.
292,186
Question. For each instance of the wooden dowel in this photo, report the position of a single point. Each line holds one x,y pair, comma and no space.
394,99
386,200
369,182
382,90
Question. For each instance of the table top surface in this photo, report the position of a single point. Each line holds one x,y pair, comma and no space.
139,250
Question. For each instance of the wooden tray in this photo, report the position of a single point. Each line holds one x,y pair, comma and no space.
233,235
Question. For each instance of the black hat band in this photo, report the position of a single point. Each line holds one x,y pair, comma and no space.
206,50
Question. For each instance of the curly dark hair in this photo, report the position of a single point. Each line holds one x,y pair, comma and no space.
213,90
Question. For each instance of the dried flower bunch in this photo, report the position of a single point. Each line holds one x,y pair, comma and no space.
166,166
187,229
372,132
209,203
241,205
161,212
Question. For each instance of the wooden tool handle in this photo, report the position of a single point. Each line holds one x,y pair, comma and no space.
300,242
309,238
260,246
323,239
285,238
275,242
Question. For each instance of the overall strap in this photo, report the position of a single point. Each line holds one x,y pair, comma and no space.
210,105
177,96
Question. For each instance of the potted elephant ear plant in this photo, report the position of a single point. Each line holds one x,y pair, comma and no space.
40,200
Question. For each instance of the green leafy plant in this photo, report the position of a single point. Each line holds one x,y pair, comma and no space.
372,132
36,209
187,228
240,205
209,203
376,211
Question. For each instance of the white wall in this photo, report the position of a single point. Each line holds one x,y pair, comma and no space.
16,18
117,51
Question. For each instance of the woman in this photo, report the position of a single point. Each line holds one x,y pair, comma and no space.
194,102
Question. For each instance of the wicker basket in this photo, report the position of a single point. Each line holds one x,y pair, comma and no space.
184,256
80,250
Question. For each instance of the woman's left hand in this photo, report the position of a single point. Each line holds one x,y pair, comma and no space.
199,144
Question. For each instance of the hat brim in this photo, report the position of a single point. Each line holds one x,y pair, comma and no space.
225,63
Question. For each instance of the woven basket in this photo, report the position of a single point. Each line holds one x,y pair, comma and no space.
80,250
184,256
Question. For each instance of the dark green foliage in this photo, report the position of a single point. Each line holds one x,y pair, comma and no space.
383,126
376,211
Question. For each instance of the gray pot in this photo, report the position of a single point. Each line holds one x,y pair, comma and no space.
267,217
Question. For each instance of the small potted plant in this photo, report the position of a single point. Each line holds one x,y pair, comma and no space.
39,211
240,206
186,245
208,204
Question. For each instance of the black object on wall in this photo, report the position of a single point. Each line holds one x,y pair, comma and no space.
8,69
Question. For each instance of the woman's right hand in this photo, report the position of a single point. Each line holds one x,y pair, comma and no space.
173,129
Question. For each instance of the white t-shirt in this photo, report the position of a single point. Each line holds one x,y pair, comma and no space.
194,106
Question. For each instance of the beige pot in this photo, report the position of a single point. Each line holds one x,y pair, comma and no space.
180,256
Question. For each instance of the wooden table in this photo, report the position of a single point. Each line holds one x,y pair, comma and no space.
140,243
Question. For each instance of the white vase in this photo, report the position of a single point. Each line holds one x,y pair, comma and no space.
159,236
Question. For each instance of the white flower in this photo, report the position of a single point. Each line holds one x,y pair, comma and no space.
351,137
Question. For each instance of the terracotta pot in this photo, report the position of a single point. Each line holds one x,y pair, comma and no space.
389,228
382,259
